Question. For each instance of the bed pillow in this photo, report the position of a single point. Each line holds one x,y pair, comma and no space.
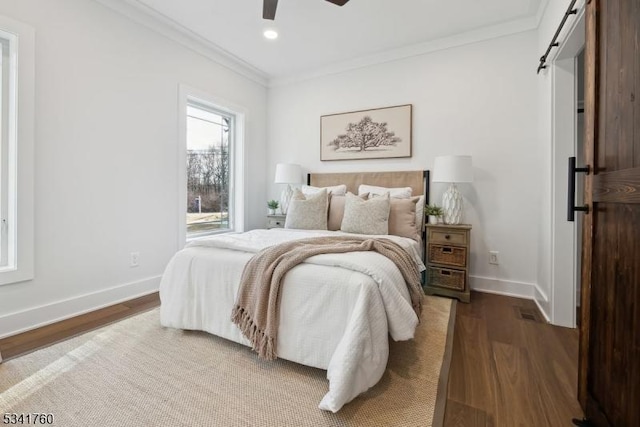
398,193
420,215
366,216
400,227
336,210
402,218
336,190
307,212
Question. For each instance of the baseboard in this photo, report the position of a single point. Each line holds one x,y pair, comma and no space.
36,317
502,287
542,310
540,297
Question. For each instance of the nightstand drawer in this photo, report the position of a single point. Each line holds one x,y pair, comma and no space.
446,254
452,237
447,278
275,222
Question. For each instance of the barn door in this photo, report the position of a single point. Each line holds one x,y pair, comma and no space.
609,376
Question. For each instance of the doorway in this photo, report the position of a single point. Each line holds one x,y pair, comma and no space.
567,76
580,157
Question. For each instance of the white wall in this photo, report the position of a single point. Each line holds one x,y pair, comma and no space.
479,99
106,144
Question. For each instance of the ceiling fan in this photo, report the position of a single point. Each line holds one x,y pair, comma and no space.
269,7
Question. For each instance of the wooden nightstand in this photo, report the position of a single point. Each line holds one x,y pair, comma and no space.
275,221
447,255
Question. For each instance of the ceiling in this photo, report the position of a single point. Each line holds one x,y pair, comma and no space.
316,33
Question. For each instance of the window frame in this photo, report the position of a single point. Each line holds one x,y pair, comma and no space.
198,103
190,96
17,220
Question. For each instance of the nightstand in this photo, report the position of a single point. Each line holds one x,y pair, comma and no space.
447,256
275,221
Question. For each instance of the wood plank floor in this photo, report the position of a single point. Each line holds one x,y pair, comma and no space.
29,341
505,370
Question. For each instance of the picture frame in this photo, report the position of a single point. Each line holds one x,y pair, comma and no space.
378,133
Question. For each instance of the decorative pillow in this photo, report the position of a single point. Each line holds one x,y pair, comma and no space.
420,215
307,213
336,190
397,193
336,210
366,216
402,218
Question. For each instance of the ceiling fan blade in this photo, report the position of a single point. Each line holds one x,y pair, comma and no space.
269,9
338,2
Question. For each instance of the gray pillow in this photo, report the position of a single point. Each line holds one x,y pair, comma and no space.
366,216
307,213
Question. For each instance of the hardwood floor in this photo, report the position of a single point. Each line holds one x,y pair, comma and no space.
29,341
506,370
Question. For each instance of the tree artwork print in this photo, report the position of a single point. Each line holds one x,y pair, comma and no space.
369,134
365,134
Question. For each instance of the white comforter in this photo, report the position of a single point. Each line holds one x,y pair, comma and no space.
337,310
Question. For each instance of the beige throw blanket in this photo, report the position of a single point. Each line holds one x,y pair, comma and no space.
257,311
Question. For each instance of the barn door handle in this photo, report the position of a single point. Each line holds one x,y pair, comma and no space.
571,199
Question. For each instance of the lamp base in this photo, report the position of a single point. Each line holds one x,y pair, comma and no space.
452,205
285,198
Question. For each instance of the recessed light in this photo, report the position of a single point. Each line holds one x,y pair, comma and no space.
271,34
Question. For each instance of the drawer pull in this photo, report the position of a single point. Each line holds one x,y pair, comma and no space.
445,273
277,222
447,250
447,236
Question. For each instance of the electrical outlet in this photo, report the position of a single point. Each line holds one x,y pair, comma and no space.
135,259
493,257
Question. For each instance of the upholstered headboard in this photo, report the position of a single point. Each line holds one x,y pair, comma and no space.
417,180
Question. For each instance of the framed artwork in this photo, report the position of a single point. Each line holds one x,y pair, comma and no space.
380,133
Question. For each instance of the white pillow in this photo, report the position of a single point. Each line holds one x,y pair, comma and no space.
366,216
307,213
336,190
397,193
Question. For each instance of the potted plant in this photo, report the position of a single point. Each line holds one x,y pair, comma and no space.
273,205
434,212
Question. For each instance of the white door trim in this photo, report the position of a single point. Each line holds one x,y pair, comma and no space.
564,136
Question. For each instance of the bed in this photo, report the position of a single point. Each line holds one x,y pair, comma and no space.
337,311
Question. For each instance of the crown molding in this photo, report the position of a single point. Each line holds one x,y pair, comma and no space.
150,18
162,24
418,49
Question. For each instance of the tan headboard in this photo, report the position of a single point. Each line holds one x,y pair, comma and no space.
414,179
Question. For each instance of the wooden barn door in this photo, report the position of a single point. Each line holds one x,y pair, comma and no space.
609,376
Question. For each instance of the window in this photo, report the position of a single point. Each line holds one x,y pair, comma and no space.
210,139
16,151
4,149
211,196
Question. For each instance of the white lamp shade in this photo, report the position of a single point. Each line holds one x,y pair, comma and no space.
288,173
453,169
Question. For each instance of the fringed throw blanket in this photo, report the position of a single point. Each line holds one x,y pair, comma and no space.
257,311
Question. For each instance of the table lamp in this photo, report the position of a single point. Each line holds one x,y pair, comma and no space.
452,169
287,173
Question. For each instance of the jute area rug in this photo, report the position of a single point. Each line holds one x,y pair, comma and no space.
137,373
